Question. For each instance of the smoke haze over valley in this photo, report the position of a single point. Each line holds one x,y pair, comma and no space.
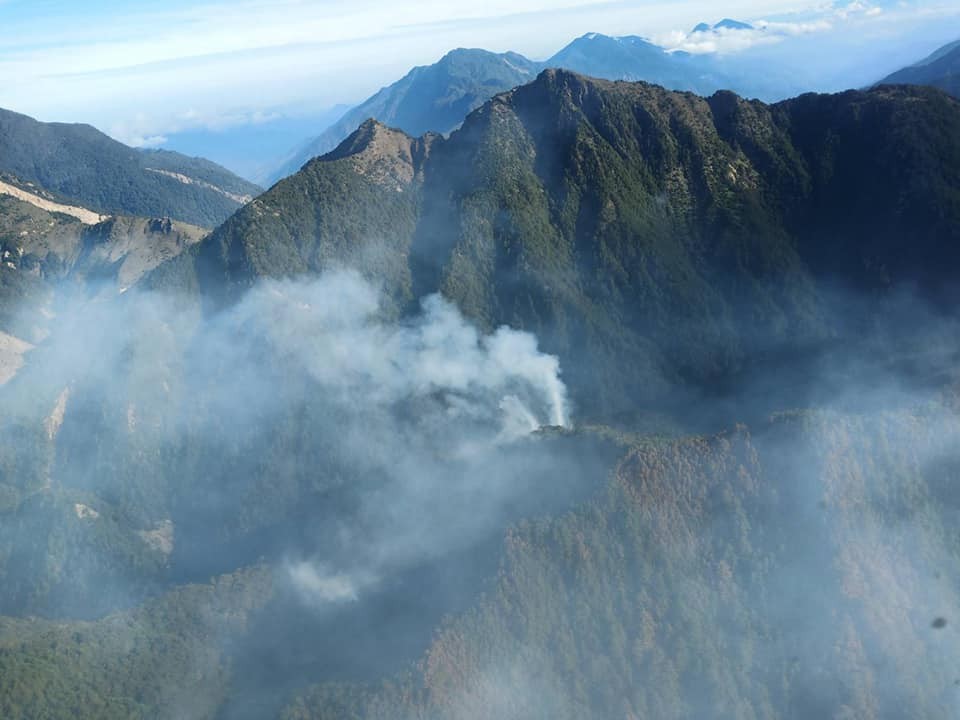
581,387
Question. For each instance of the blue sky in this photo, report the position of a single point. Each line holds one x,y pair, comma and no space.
142,70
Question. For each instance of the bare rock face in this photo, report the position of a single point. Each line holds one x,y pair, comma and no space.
93,175
128,248
54,421
386,156
12,350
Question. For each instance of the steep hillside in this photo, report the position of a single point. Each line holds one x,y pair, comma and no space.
83,165
939,70
356,206
45,200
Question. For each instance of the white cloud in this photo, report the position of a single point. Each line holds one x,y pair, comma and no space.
768,32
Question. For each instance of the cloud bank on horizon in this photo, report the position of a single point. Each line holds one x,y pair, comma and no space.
141,71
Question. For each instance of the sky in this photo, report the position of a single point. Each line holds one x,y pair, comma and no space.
144,70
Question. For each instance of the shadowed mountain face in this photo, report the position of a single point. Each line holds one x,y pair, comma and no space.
655,241
940,70
423,412
85,166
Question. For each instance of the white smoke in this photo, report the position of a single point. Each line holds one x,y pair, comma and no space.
316,584
427,405
334,329
401,415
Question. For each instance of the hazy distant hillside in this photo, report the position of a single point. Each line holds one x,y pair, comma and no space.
82,164
251,149
633,58
940,70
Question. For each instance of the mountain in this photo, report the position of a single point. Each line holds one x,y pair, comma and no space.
616,402
728,24
433,98
46,245
632,58
358,204
250,145
82,164
628,226
437,98
941,70
129,664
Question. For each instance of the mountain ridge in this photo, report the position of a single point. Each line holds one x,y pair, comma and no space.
629,57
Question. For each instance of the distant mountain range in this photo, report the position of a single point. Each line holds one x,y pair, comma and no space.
438,97
941,70
82,164
432,98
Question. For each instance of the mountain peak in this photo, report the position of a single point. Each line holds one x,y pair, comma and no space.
466,54
386,154
725,24
728,24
